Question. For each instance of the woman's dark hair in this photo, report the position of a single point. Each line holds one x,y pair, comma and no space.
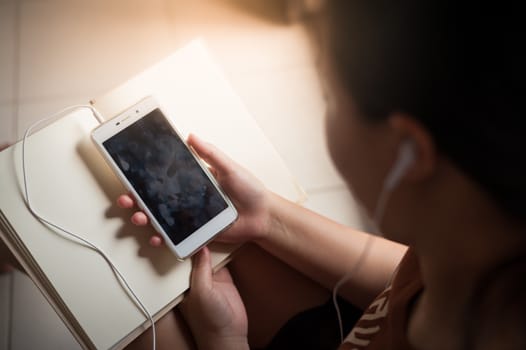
456,66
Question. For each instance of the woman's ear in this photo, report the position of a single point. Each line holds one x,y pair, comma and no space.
408,128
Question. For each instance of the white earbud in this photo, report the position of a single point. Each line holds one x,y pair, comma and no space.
406,157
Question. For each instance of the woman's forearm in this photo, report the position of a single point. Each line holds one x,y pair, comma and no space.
325,251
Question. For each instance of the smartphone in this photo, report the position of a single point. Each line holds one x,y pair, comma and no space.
169,182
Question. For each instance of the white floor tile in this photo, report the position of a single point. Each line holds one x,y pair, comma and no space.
338,205
263,47
289,107
7,127
242,40
72,48
5,312
7,45
35,325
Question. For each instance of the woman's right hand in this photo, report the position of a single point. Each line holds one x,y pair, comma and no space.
248,194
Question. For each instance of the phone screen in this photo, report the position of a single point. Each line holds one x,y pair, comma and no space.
165,175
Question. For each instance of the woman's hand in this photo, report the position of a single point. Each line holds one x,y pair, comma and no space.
213,308
249,195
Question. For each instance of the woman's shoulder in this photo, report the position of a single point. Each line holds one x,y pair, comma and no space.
383,324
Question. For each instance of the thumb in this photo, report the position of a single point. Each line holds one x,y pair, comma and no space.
211,154
201,271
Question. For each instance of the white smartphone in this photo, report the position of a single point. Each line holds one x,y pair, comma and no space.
170,184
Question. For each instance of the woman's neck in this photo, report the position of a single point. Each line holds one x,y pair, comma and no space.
466,240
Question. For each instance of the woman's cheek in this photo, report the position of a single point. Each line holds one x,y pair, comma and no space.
354,158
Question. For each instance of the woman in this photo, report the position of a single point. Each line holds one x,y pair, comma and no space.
425,90
442,80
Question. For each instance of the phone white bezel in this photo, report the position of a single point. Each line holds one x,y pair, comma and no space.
202,235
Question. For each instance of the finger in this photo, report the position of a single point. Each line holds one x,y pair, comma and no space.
156,241
139,219
211,154
201,271
125,201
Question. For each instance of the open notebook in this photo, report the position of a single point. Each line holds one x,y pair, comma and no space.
71,185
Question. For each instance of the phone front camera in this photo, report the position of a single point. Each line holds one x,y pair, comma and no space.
137,111
118,123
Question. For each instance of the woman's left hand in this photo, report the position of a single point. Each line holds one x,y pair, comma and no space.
213,308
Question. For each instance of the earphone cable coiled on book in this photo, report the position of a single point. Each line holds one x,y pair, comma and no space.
77,238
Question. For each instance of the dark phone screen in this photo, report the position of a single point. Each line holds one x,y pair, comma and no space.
165,175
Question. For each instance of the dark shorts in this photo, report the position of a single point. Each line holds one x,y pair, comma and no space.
316,328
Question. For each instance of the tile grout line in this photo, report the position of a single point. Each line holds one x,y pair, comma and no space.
11,291
14,136
16,71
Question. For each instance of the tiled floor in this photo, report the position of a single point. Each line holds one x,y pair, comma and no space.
54,53
5,309
7,55
33,323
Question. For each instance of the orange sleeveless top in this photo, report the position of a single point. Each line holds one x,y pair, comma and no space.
384,324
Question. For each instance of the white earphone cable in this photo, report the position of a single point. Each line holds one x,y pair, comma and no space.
377,218
406,156
361,259
378,215
78,239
